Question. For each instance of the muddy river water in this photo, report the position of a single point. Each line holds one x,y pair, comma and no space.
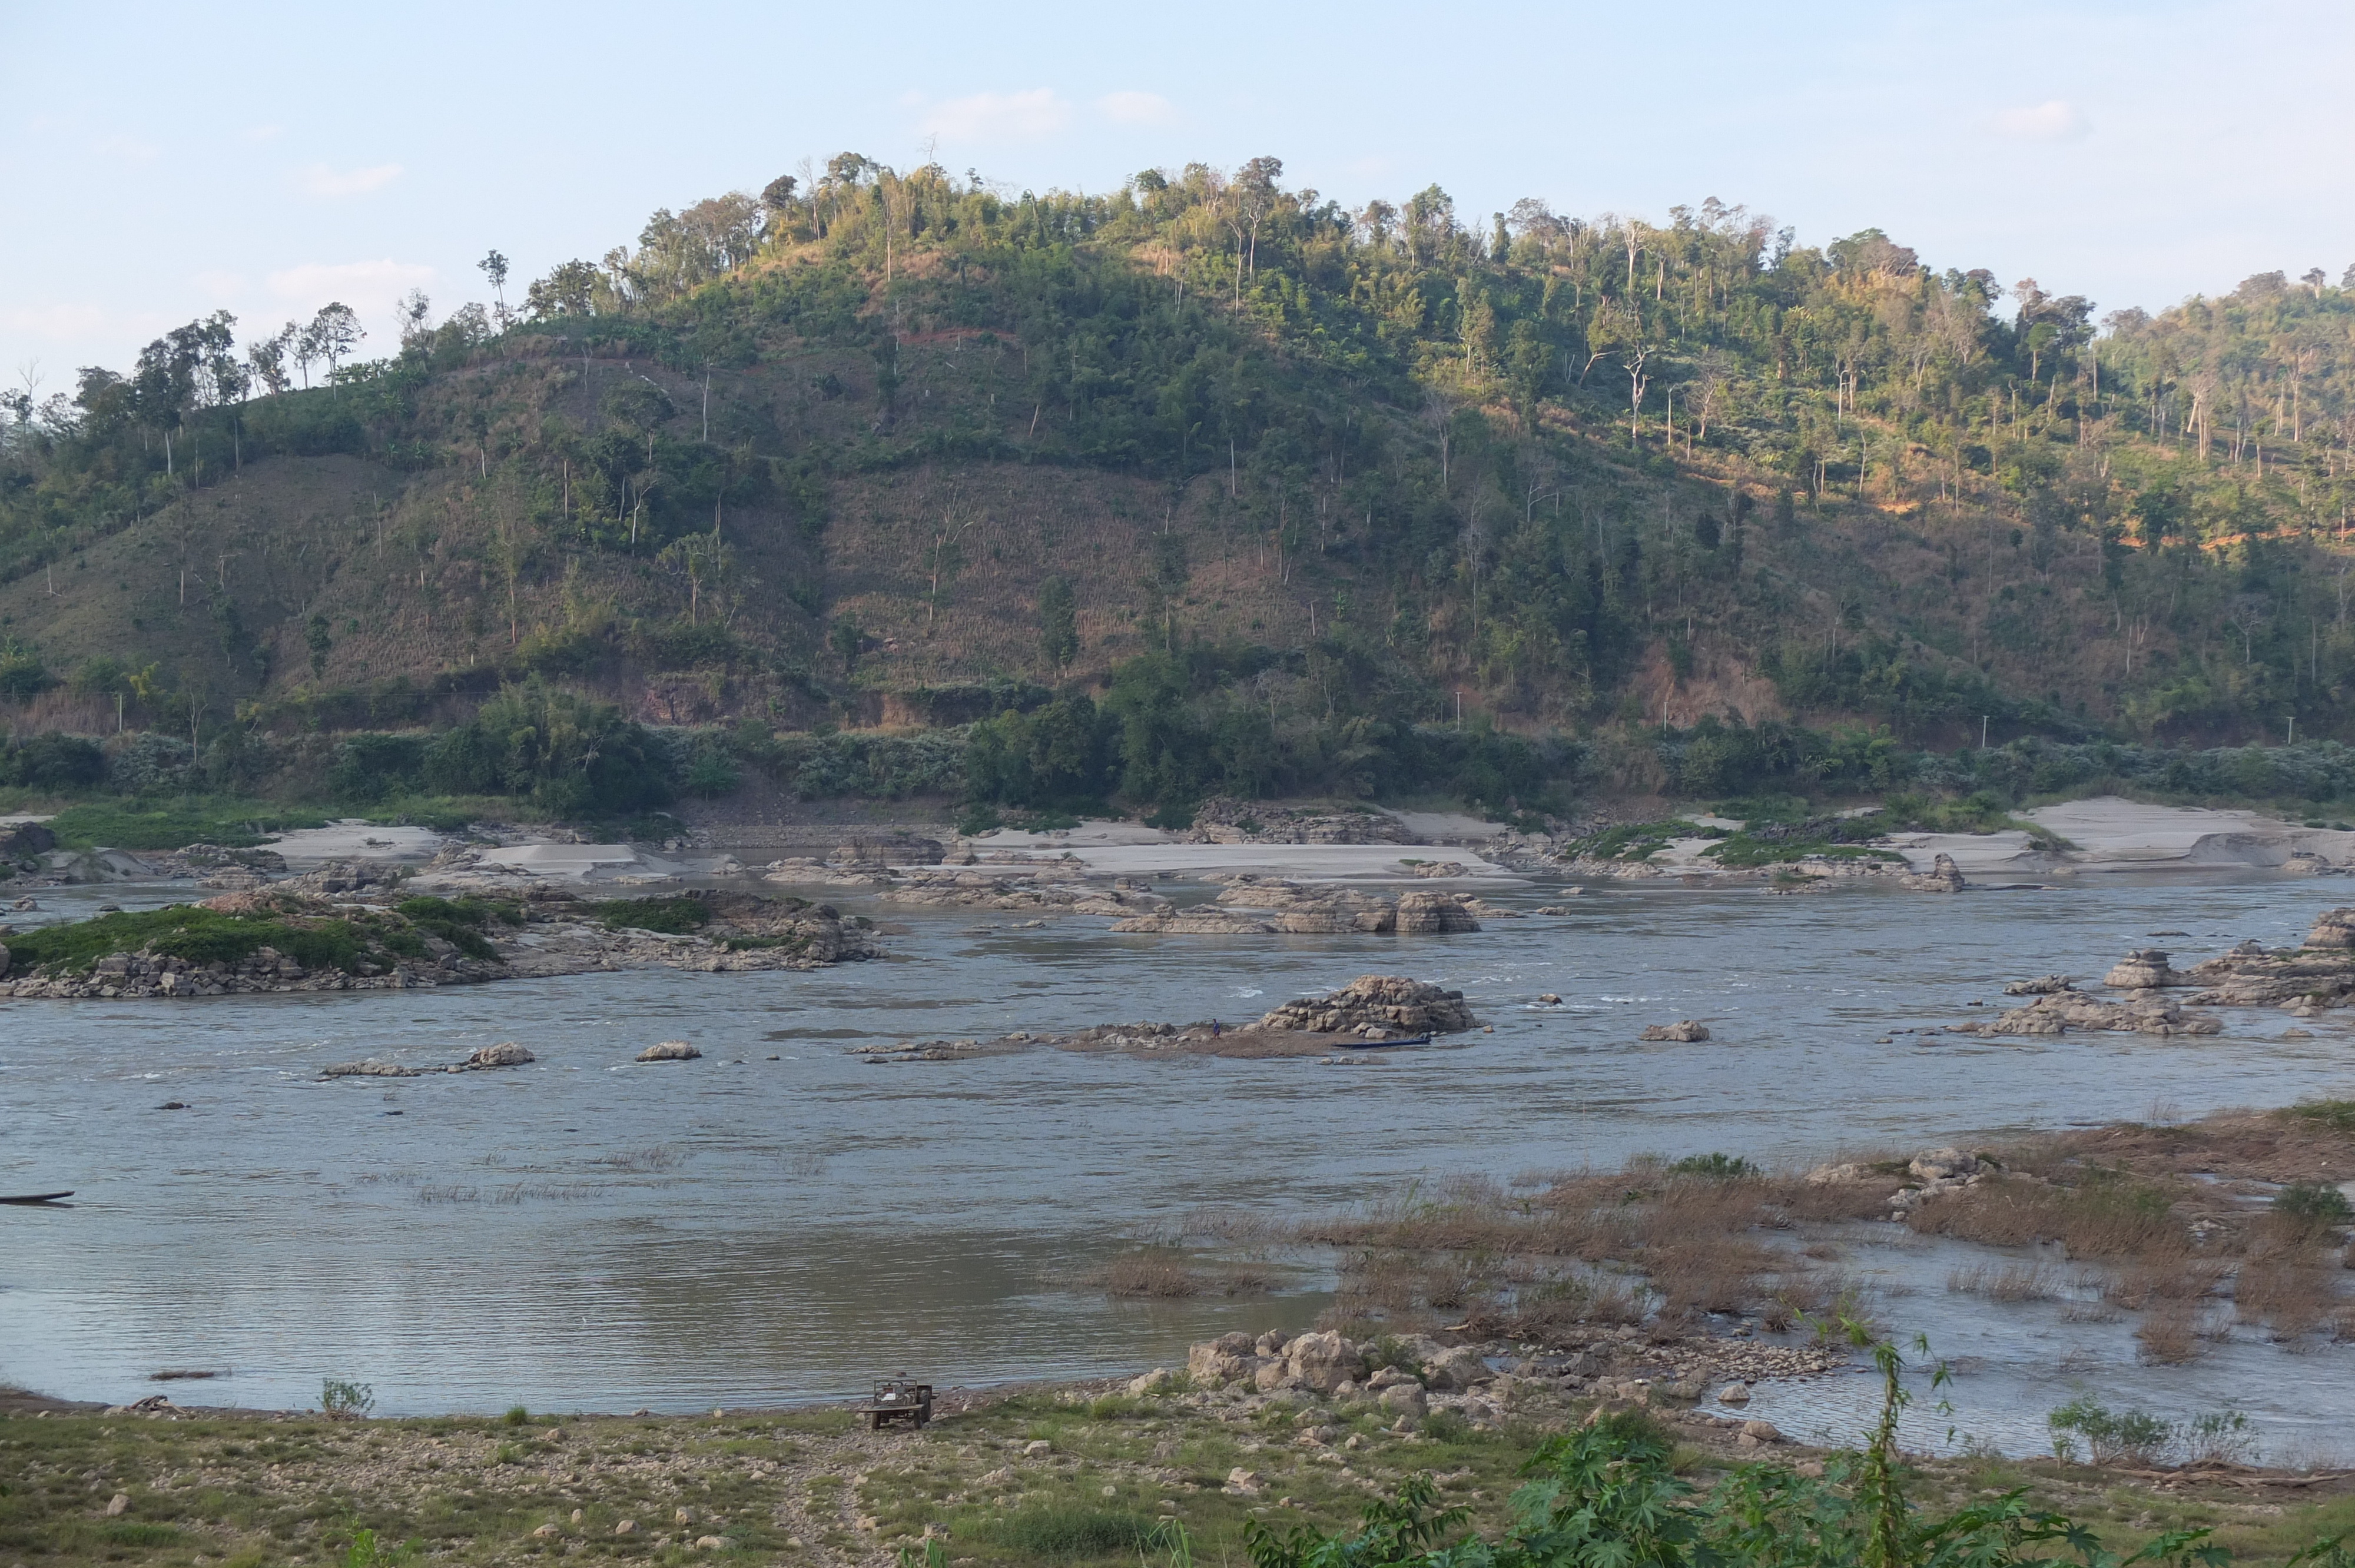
781,1222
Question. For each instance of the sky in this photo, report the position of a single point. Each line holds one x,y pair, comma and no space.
158,163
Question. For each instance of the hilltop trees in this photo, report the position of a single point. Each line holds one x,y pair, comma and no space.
1550,462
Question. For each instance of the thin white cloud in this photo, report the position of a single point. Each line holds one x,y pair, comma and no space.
1136,108
998,116
58,322
319,180
368,287
2056,119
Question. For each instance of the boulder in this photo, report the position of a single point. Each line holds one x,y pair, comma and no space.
2333,929
2043,985
1428,914
670,1050
1157,1380
1405,1399
1944,876
1827,1175
1270,1374
1388,1004
1219,1361
1733,1394
1323,1361
1241,1482
505,1053
1460,1368
22,841
1685,1030
2144,969
1270,1343
1939,1164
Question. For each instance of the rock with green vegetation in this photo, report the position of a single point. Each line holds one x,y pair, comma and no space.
277,940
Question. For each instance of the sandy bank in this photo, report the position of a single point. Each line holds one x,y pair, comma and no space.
2110,834
1126,849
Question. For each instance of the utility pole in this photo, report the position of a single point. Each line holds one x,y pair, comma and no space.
1983,718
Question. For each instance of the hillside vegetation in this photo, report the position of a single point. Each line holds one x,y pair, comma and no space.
1271,492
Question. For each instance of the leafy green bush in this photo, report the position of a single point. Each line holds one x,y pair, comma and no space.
2111,1436
1715,1166
52,763
1607,1494
571,755
344,1401
2313,1203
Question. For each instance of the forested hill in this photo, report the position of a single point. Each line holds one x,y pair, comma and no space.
874,446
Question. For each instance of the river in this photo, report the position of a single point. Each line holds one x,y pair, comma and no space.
781,1222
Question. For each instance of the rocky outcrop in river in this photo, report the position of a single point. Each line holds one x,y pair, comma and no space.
1255,906
271,940
1375,1005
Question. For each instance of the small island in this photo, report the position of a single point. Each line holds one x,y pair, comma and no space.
282,938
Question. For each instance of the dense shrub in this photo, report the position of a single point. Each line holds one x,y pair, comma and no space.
571,755
52,763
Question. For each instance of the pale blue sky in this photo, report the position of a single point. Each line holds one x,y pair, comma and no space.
160,162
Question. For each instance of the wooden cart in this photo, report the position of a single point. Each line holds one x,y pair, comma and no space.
898,1401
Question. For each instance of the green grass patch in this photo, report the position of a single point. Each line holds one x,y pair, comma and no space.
192,932
127,825
1062,1530
1744,853
1640,840
676,916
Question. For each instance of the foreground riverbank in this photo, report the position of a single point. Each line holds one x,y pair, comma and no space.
1094,1472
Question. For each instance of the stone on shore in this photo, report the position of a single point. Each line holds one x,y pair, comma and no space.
670,1050
1323,1361
2334,930
1944,876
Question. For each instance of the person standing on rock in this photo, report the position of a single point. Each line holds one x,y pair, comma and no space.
1214,1029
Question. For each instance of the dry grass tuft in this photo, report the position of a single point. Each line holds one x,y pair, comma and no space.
2169,1334
2012,1282
1166,1273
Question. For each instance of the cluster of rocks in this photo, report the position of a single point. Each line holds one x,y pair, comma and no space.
1374,1006
150,974
966,889
1407,1376
506,1054
1929,1175
1944,876
2304,979
1224,820
746,933
1686,1031
1255,906
22,846
2065,1009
